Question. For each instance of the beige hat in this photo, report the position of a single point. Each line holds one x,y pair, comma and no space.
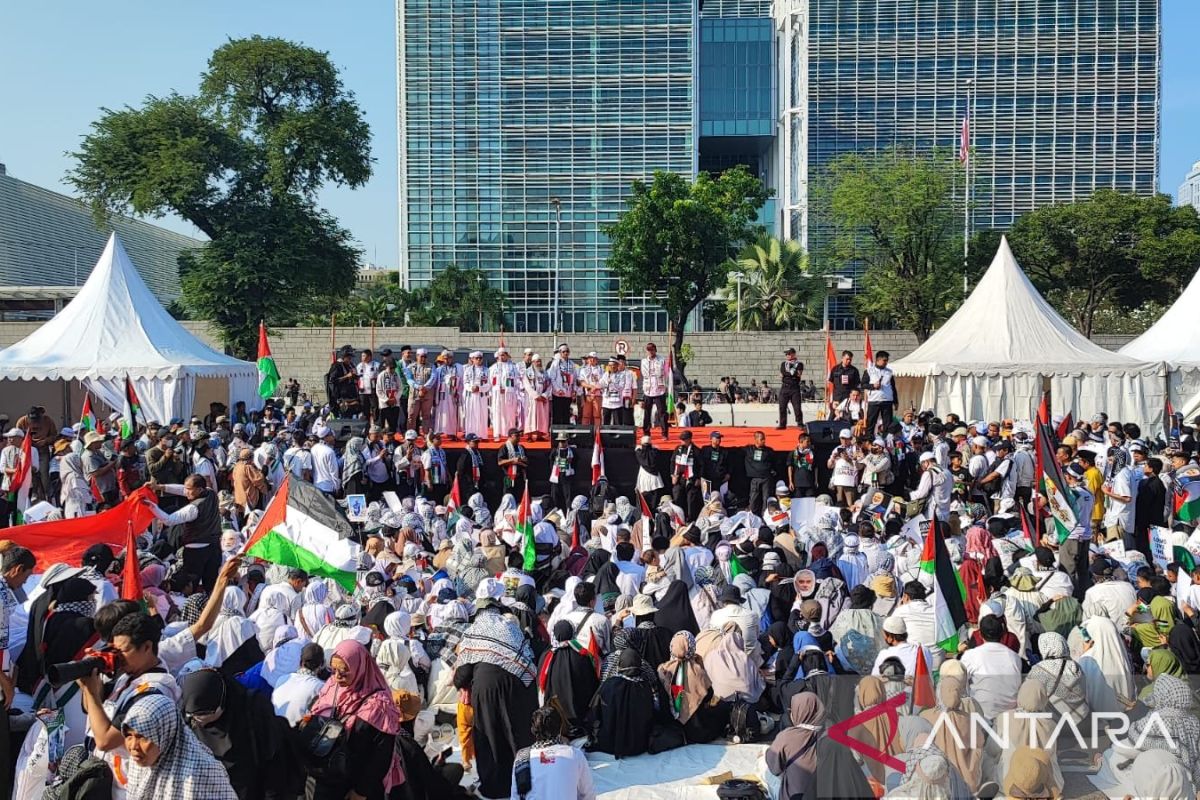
643,605
92,437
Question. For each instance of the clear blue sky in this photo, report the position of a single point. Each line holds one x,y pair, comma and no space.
60,62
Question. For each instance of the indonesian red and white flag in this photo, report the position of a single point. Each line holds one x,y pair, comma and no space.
597,458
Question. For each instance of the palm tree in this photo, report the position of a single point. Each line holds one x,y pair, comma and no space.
778,291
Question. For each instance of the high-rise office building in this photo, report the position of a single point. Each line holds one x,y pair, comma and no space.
523,124
1189,190
1065,97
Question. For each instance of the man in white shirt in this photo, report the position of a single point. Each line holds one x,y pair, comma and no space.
895,636
327,472
918,617
1121,492
1108,597
632,575
935,488
552,770
655,377
366,369
881,395
993,670
588,623
564,385
732,610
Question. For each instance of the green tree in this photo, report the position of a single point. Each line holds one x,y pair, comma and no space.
242,160
894,212
1113,250
676,239
458,297
778,292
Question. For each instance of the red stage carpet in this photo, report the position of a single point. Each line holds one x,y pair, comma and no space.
732,437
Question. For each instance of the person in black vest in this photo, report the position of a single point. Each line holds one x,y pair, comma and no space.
790,372
469,468
200,520
760,472
685,477
714,464
844,378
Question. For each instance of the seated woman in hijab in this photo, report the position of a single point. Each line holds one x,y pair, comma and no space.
928,778
1061,677
704,595
810,632
877,731
793,754
1171,699
675,612
859,616
166,759
345,627
242,731
569,674
1184,642
692,704
1030,776
734,672
1150,634
1027,724
1104,662
623,709
234,650
1160,774
777,650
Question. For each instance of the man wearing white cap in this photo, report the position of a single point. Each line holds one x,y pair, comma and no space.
538,392
475,388
10,462
446,419
590,376
616,391
507,386
895,636
564,385
977,467
844,464
935,488
422,383
327,475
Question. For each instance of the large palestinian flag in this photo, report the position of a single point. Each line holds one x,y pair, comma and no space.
949,594
303,528
1060,502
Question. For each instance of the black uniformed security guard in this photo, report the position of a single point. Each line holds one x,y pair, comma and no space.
790,372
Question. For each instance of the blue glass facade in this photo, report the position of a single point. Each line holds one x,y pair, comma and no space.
1066,96
737,77
522,125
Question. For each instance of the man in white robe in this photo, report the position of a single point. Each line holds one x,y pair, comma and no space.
475,389
446,419
506,388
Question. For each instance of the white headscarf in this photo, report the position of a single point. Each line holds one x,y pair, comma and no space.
1159,775
1107,675
228,637
567,604
272,613
284,658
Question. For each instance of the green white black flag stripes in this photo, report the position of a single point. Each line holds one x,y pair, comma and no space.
949,595
303,528
268,374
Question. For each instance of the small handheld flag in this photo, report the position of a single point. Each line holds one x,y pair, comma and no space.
868,350
923,694
455,500
131,576
87,418
132,410
22,479
597,458
268,374
525,528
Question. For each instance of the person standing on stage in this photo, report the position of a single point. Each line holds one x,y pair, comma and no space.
469,468
630,390
612,393
507,385
844,379
564,386
446,410
367,369
881,393
422,383
590,375
437,472
790,372
760,472
714,465
537,401
387,396
475,389
654,390
685,478
513,463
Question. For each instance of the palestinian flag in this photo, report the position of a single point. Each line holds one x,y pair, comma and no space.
1043,412
597,458
87,418
949,595
22,480
1184,558
455,499
268,375
525,528
303,528
645,506
1187,502
1053,487
131,412
1064,427
1029,529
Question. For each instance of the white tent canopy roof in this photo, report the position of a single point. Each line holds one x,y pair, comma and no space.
1175,338
1007,327
115,327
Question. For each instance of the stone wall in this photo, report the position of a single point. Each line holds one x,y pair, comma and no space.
303,353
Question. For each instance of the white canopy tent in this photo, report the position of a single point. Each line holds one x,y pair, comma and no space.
991,358
115,327
1175,339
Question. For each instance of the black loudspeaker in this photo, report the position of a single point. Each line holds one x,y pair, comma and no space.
825,431
344,429
577,435
612,436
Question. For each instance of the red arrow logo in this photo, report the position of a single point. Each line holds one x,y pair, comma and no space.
840,732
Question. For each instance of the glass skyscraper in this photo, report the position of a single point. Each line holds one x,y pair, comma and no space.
522,125
1066,97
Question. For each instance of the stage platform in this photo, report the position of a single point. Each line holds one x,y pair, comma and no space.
739,436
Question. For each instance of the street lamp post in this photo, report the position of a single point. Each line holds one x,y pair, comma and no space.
554,201
738,277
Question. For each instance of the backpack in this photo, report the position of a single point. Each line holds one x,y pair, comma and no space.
744,724
739,789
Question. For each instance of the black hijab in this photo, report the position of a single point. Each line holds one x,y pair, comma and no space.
569,675
1186,647
606,586
378,613
67,630
675,612
595,560
624,709
862,596
527,617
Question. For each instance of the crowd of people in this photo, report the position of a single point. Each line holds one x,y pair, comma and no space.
479,652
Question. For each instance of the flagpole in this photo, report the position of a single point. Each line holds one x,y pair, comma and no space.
967,186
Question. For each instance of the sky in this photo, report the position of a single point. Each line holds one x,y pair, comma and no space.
62,62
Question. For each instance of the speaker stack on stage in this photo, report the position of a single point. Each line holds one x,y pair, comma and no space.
614,437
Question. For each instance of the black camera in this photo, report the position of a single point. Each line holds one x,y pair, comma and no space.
107,661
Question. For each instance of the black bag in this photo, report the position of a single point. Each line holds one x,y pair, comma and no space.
323,743
738,789
666,736
744,725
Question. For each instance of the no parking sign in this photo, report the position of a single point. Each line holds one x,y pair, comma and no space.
622,347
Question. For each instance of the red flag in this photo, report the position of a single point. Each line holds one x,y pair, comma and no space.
97,495
1064,427
1043,413
645,507
597,458
830,363
131,578
923,695
23,463
964,143
868,350
65,540
575,535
